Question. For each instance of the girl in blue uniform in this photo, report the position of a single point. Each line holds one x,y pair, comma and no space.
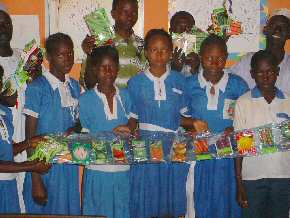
159,105
51,107
8,189
105,108
212,94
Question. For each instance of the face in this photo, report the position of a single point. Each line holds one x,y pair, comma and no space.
182,24
159,51
125,14
213,60
277,30
62,59
106,71
265,74
6,27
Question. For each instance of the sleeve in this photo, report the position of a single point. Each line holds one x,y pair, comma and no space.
83,114
33,98
126,102
133,113
185,100
239,117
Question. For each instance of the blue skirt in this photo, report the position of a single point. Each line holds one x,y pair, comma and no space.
106,193
62,185
158,189
9,202
215,189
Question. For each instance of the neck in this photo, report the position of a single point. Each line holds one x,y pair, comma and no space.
124,33
269,94
5,49
277,50
157,71
57,74
108,90
213,80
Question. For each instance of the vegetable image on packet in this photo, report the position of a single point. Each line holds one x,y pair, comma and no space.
179,151
118,151
266,139
81,153
200,35
100,149
201,149
282,135
156,151
246,143
139,150
224,146
99,25
184,41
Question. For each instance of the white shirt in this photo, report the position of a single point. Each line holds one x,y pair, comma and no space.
252,110
244,66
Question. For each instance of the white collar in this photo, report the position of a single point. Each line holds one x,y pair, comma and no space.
55,82
221,85
157,79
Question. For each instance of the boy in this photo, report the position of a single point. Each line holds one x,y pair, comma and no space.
277,32
263,182
181,22
129,46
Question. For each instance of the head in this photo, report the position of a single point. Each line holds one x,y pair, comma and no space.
213,56
102,66
181,21
9,101
33,64
125,13
158,47
6,27
277,29
264,70
60,53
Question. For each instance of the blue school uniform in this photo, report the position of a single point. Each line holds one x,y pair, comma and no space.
106,187
55,114
9,202
158,103
215,184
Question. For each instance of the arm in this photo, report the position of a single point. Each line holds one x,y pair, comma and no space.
29,166
194,124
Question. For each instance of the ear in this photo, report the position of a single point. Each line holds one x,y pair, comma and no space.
265,30
278,71
145,54
113,14
252,72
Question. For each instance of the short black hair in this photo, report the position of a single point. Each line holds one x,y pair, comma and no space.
263,55
116,2
213,39
53,41
157,32
183,14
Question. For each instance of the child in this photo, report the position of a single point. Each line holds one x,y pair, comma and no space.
51,101
106,187
129,46
212,93
181,22
8,188
159,106
263,182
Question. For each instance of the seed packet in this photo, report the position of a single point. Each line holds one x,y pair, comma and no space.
201,149
139,150
99,25
266,140
246,143
224,146
185,41
282,135
118,151
200,35
100,151
179,151
81,153
156,151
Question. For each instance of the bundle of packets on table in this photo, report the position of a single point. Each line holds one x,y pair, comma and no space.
107,148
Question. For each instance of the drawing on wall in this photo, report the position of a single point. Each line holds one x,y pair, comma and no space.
252,14
67,16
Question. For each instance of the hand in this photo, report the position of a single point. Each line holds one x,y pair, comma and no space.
192,59
69,131
178,58
34,141
88,44
39,167
242,196
39,193
200,125
229,130
122,130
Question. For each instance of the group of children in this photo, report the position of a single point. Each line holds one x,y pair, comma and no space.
121,97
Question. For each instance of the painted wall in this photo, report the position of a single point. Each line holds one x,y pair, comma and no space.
156,15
